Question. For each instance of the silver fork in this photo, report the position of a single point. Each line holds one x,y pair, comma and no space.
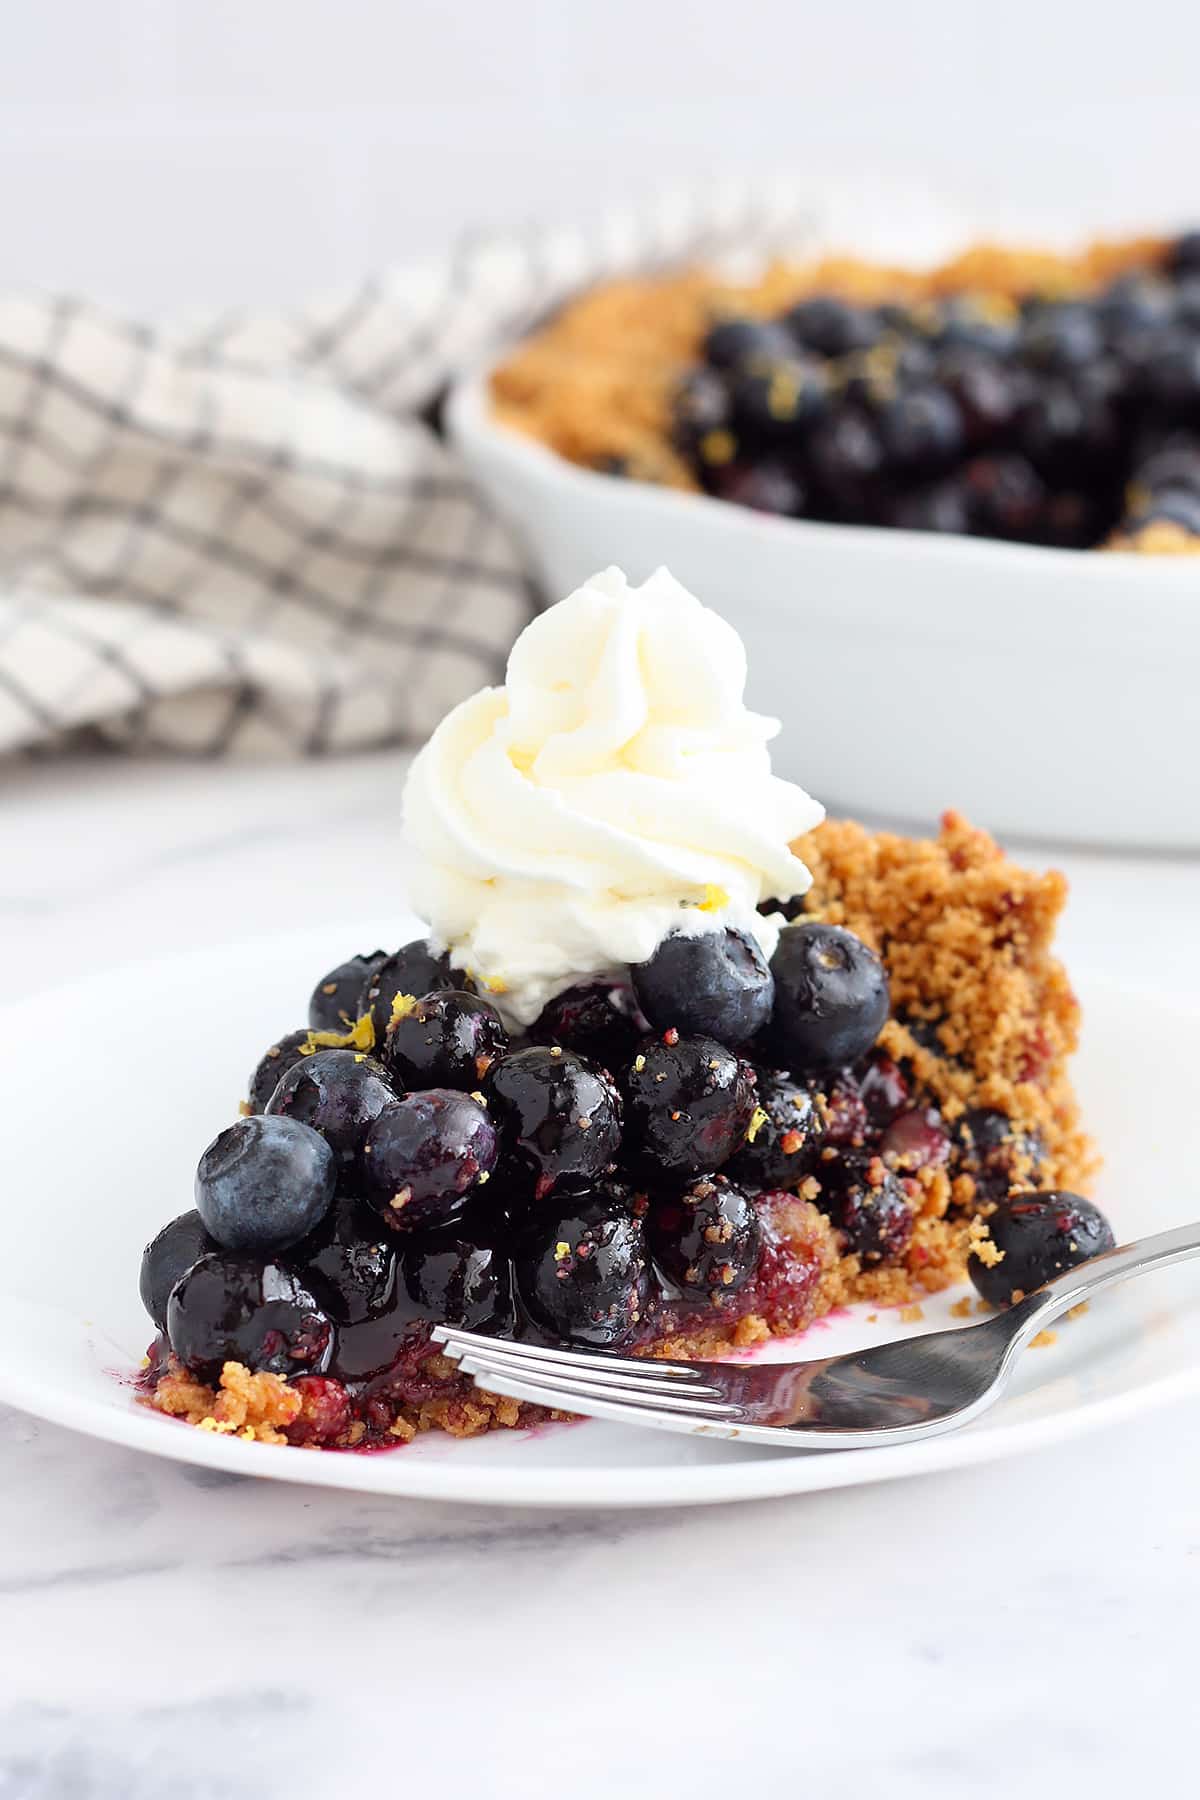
891,1393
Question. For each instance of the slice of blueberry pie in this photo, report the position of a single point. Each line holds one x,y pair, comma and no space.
681,1066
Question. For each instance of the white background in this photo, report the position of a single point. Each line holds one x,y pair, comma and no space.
171,153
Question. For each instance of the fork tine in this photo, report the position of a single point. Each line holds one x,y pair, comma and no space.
566,1392
641,1376
457,1343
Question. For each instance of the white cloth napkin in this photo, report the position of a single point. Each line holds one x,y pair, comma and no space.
247,537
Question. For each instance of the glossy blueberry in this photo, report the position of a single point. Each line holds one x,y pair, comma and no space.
446,1039
921,430
230,1308
583,1274
831,997
989,396
274,1065
1068,428
785,1134
935,506
1039,1236
866,1203
1172,378
767,486
349,1262
1173,464
424,1158
690,1102
915,1139
1133,304
699,404
833,327
595,1019
414,970
713,984
884,1090
1006,496
559,1115
843,456
456,1281
1184,256
774,399
337,1093
705,1239
334,1002
975,322
994,1152
1059,336
167,1257
732,342
264,1183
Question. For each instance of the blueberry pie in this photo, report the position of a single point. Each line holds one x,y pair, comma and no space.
1043,399
682,1065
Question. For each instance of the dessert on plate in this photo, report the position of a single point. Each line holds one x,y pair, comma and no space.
681,1066
1040,398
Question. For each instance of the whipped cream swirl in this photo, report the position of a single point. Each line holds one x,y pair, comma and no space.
616,789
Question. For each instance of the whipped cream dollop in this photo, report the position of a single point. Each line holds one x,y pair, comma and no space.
615,789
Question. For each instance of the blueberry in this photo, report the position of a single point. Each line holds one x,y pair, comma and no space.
785,1134
690,1102
921,429
766,486
994,1152
242,1309
560,1116
1006,496
167,1257
845,1113
732,342
1184,255
348,1262
1172,464
459,1282
937,506
975,322
424,1157
1132,304
1172,378
334,1003
844,455
989,396
866,1203
916,1139
706,1239
1059,336
713,984
446,1039
274,1065
1175,506
1068,428
264,1183
775,398
1039,1236
699,404
1074,520
597,1020
884,1090
414,970
583,1274
833,327
831,997
337,1093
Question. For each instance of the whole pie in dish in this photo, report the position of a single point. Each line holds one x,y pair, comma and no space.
682,1067
1014,394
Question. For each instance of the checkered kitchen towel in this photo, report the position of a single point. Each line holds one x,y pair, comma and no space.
248,537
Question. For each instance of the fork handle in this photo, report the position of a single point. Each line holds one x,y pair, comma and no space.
1076,1285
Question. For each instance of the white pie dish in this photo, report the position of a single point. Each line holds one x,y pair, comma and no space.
1046,693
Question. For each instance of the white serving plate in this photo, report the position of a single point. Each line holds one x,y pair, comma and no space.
97,1164
1046,693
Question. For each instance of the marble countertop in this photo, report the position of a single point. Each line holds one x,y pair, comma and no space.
171,1632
